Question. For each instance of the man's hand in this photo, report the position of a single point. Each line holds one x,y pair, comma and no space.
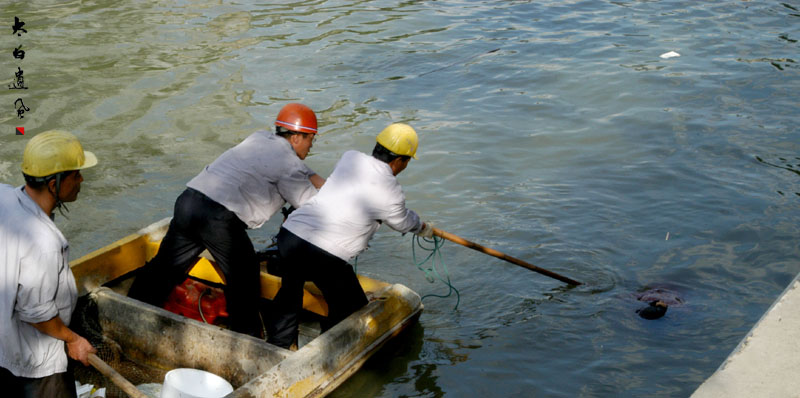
427,230
316,180
79,349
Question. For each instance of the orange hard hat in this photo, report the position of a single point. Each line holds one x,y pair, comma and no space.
297,117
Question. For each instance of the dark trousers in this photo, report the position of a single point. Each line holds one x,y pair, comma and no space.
334,277
201,223
59,385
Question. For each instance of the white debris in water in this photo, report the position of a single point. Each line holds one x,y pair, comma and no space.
671,54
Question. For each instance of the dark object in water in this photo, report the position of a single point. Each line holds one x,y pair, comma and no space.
655,310
664,294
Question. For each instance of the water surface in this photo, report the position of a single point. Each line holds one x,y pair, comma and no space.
550,130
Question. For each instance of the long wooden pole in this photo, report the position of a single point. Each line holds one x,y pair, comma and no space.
115,377
492,252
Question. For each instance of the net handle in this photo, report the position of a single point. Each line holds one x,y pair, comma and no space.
115,377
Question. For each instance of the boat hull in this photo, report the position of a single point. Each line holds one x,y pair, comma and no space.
158,338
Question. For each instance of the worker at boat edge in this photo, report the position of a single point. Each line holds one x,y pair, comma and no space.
317,240
38,293
241,189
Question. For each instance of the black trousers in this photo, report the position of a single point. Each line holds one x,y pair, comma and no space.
59,385
302,261
201,223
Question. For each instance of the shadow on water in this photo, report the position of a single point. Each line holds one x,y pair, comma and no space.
400,364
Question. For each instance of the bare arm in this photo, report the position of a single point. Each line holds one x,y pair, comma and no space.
316,180
78,347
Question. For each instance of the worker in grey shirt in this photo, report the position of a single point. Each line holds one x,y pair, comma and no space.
37,289
241,189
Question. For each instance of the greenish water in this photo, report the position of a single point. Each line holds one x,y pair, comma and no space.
550,130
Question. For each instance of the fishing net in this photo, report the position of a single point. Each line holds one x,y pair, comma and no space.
86,322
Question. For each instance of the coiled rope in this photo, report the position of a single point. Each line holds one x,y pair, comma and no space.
436,261
431,272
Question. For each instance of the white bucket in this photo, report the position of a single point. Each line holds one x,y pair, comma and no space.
194,383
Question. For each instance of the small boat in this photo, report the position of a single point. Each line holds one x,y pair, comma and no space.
155,340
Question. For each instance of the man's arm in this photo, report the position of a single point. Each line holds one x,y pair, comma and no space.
316,180
78,347
296,186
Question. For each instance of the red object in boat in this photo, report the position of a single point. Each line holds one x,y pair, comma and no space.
184,299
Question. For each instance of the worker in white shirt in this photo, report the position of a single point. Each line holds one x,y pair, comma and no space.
241,189
317,240
37,289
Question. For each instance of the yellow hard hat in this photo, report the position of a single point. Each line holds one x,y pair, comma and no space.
399,138
55,151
